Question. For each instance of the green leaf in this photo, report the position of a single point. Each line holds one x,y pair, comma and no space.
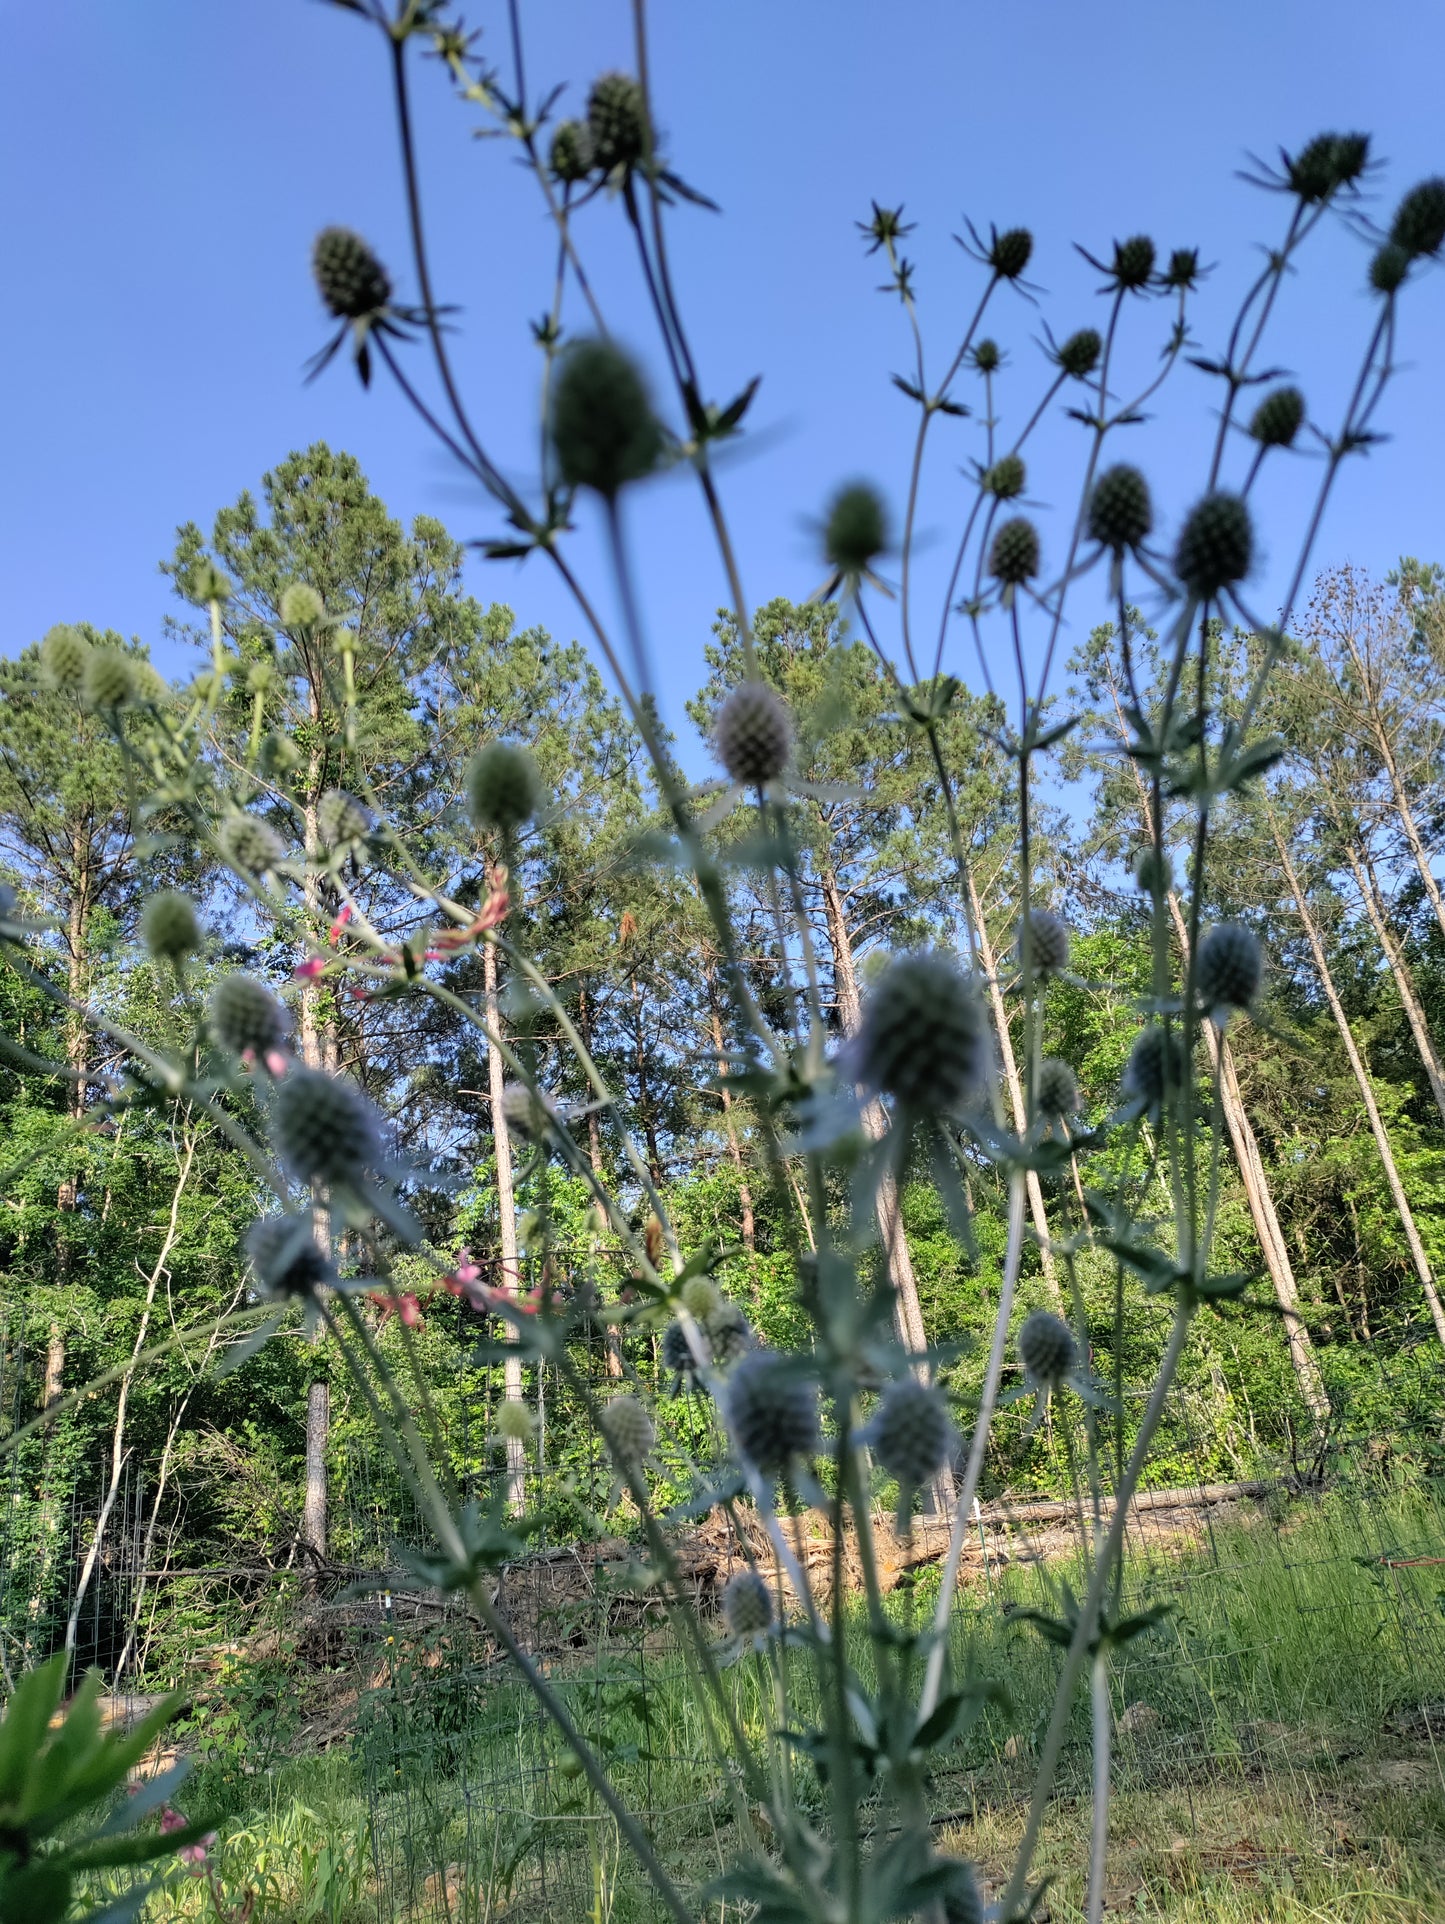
22,1730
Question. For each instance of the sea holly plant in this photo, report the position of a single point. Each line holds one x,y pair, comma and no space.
946,1063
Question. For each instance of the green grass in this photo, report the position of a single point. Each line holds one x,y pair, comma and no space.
1283,1756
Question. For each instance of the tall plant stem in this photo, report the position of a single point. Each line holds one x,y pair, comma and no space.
1099,1835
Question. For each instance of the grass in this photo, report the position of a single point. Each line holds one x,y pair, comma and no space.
1281,1754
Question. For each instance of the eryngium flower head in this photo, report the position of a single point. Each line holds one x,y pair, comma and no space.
924,1038
63,655
251,844
1419,223
772,1413
1388,268
571,154
341,819
1153,872
1047,1348
1216,545
108,680
604,431
504,790
1079,355
700,1296
617,121
677,1357
1133,261
747,1604
1042,942
1058,1089
285,1257
168,926
527,1112
987,356
1325,164
1014,556
1121,513
1278,418
1228,967
1156,1058
729,1334
629,1430
1008,253
753,734
352,281
244,1016
911,1433
962,1898
1006,478
301,606
1182,273
515,1422
324,1129
856,531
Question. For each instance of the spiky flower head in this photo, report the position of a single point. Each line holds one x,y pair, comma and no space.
924,1038
1047,1348
962,1898
1278,418
629,1430
351,280
206,582
729,1334
1079,355
571,155
1057,1089
1008,253
772,1413
1325,164
1153,872
700,1296
856,530
753,734
1042,942
107,680
1216,545
251,844
1133,261
285,1257
1157,1058
527,1112
1229,967
677,1357
63,655
504,789
168,926
245,1016
911,1433
324,1129
1388,267
987,356
1006,478
1183,270
604,431
617,121
341,820
1121,513
1014,557
1419,223
515,1422
747,1604
301,606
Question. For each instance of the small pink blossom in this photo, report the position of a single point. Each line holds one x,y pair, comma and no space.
313,966
333,934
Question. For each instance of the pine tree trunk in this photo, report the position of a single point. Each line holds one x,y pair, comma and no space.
1013,1083
1369,888
1413,838
1367,1095
511,1278
318,1050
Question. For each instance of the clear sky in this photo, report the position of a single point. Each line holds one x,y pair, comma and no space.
165,165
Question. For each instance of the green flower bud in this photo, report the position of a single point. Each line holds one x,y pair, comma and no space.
341,820
251,844
856,532
1042,942
1008,253
617,121
1388,267
1229,967
700,1297
515,1422
168,926
747,1604
629,1430
1134,261
987,356
246,1018
753,734
301,606
911,1434
1216,546
1278,418
1121,513
1014,557
1079,355
1058,1090
1153,872
351,280
285,1257
1047,1348
1419,223
324,1129
604,431
1325,164
206,583
729,1334
63,656
772,1413
107,680
571,155
1006,478
924,1037
504,790
1156,1059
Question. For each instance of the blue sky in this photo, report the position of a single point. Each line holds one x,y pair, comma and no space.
166,166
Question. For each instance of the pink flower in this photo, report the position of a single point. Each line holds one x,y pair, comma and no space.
172,1820
313,966
333,934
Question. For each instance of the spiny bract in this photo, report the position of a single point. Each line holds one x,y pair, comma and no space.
604,431
251,844
1216,545
747,1603
923,1039
856,530
1047,1348
617,121
285,1257
1121,513
504,790
911,1432
352,281
629,1430
324,1129
1229,967
1042,942
753,734
168,926
341,820
1014,556
772,1412
244,1015
1278,418
301,606
1057,1089
108,680
63,655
